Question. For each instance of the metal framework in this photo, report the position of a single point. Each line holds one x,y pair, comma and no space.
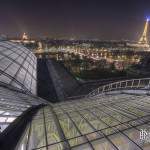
17,66
134,84
144,40
104,122
110,122
14,131
107,119
13,103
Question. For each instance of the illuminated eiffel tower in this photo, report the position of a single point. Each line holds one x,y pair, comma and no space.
144,40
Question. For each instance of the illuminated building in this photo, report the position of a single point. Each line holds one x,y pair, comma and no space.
143,40
24,37
40,47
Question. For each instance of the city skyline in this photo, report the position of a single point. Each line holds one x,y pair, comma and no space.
74,19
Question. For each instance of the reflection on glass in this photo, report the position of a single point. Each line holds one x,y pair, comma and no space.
102,144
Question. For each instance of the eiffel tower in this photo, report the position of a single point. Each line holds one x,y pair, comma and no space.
144,40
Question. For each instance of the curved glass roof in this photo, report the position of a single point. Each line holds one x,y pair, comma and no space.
17,66
13,104
111,122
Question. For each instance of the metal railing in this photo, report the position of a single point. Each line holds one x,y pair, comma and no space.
122,85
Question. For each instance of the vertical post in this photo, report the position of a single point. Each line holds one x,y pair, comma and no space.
126,84
120,84
103,89
132,83
139,83
98,90
116,85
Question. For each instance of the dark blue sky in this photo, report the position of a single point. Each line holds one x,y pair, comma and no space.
103,19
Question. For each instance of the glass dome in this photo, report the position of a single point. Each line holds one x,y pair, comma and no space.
17,66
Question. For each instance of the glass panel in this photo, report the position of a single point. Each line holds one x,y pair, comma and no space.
83,147
77,141
122,143
68,128
37,136
52,131
102,144
58,146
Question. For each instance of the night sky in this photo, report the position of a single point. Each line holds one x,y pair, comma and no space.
81,19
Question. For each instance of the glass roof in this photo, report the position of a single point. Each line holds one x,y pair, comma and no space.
111,122
13,104
17,66
107,122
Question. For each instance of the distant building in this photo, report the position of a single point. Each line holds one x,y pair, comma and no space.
24,39
143,41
